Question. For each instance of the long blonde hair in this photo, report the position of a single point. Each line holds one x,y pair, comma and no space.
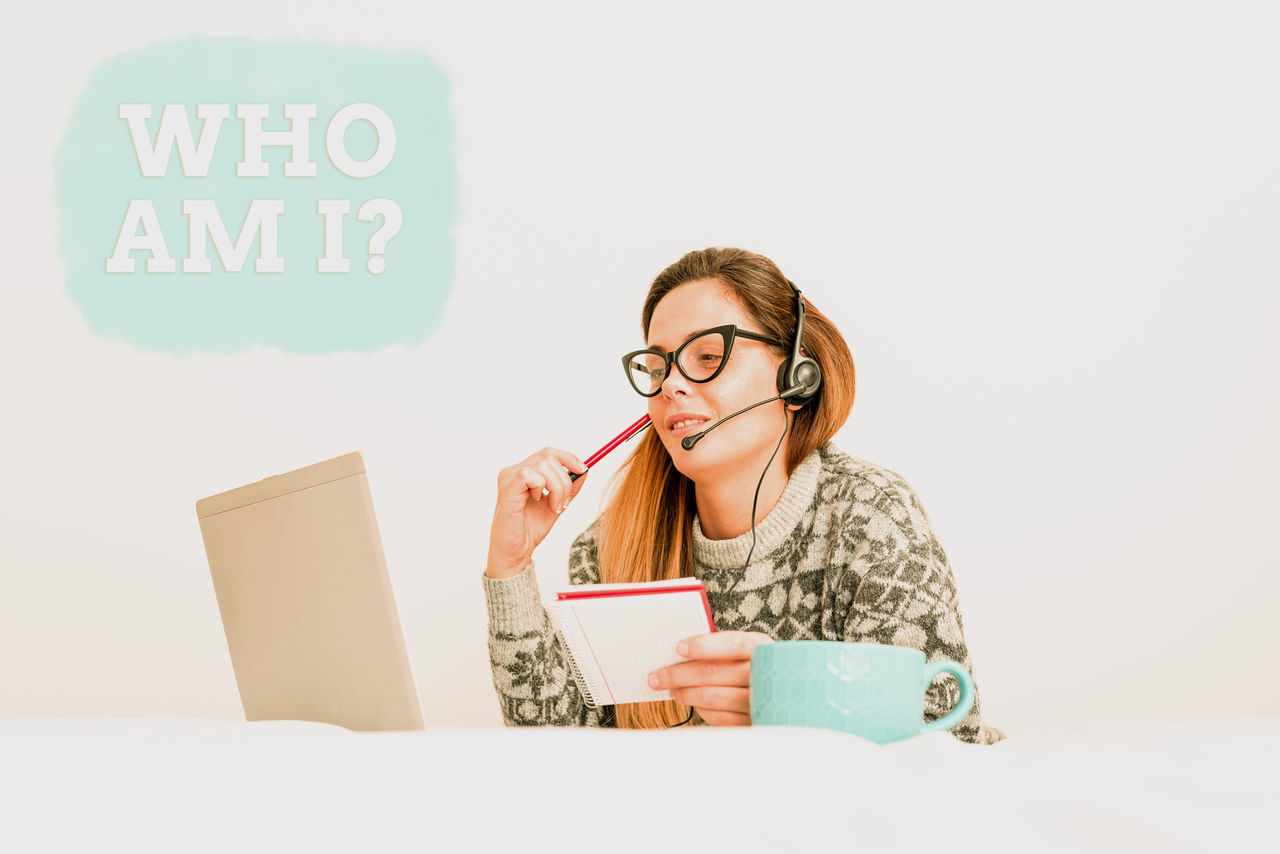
646,530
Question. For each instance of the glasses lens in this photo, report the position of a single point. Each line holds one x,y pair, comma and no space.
702,357
646,372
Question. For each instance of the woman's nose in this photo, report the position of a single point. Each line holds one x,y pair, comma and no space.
674,383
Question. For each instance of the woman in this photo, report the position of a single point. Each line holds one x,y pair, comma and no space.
793,538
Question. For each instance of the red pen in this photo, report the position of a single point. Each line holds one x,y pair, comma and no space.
613,443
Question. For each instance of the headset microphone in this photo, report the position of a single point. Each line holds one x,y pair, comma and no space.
799,377
689,441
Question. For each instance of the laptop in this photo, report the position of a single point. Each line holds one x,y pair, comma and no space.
306,601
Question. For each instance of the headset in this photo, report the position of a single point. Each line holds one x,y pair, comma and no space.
799,377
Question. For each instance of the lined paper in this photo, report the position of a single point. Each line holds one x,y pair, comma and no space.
619,638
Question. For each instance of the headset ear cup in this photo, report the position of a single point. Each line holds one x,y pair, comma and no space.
807,375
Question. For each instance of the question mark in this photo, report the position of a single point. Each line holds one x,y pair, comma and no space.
392,219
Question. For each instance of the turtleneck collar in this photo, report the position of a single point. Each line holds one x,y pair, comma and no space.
773,529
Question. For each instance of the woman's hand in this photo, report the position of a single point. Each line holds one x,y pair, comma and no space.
716,680
523,515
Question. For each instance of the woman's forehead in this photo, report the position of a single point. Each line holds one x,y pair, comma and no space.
693,307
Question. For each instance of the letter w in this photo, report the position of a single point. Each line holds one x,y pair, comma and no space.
153,160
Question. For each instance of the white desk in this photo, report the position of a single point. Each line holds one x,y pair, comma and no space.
205,785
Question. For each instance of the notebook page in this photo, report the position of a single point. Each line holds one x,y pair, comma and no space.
628,637
587,675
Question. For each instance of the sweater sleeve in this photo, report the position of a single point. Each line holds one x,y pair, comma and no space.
530,669
905,595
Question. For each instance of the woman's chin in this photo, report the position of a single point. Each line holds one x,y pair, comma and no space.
694,463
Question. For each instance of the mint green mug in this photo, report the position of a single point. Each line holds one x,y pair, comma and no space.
867,689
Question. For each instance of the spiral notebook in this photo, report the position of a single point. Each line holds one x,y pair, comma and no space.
617,634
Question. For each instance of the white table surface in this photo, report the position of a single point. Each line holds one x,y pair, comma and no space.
154,784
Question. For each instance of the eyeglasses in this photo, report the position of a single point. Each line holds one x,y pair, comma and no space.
700,358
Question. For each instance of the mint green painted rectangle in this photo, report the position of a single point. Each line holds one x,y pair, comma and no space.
391,103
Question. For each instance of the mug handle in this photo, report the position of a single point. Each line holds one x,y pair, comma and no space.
953,717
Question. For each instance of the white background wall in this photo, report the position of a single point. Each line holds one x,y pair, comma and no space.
1049,234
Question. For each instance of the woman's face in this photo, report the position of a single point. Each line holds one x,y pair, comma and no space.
683,408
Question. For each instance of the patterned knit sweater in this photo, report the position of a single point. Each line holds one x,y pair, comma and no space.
846,554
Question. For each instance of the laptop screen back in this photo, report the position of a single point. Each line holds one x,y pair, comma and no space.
306,601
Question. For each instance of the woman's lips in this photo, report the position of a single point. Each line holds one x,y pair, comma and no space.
691,425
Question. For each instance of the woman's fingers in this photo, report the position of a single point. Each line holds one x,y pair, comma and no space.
721,645
716,678
566,459
562,465
716,658
715,717
532,481
517,486
702,672
531,494
543,476
557,483
555,465
715,698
